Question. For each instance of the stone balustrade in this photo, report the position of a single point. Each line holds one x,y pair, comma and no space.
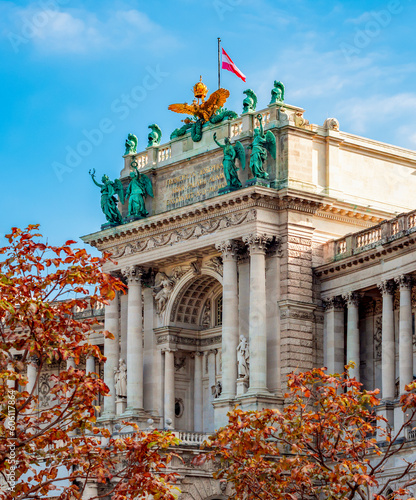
97,310
385,232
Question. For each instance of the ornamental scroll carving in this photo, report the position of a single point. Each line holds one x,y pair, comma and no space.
184,234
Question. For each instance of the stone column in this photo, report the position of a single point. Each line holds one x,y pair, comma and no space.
229,318
257,323
353,332
211,382
90,365
32,373
111,324
170,386
405,332
198,395
70,363
388,355
134,340
152,381
334,335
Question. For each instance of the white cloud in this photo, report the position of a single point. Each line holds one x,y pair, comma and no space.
80,31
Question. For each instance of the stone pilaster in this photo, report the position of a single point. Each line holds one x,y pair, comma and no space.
334,334
134,339
152,360
388,354
257,325
353,332
111,351
198,396
405,331
229,318
211,354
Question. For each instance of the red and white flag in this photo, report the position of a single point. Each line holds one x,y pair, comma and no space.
228,64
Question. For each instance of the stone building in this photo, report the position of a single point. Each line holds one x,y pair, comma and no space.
228,293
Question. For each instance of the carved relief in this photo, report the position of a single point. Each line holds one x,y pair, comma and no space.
206,315
215,264
377,338
180,362
183,234
44,390
216,389
162,291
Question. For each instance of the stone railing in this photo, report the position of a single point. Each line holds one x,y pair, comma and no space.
191,438
386,231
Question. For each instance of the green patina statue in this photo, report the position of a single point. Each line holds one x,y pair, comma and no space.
250,102
109,190
154,136
278,92
231,154
131,144
140,186
262,143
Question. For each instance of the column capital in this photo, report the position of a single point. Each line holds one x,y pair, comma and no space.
404,281
257,242
386,287
133,274
333,303
352,298
197,354
228,248
168,349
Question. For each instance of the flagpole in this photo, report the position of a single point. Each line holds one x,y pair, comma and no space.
219,62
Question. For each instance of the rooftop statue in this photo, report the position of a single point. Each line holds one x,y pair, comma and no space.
109,191
250,102
231,154
262,143
131,144
201,111
140,186
278,92
154,136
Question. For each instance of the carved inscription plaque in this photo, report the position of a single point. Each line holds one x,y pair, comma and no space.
193,186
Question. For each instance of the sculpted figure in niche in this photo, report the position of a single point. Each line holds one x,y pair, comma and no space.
262,143
120,379
162,291
231,154
243,356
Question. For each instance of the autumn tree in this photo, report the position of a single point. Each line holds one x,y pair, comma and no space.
321,445
40,287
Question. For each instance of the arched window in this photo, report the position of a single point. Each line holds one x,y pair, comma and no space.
218,311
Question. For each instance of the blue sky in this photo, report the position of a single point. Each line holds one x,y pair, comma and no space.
69,68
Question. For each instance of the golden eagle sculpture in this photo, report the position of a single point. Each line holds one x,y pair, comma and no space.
202,111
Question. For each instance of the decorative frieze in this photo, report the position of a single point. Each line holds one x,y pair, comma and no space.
183,234
192,341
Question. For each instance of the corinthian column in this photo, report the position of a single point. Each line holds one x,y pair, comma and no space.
229,318
405,331
111,324
257,316
353,332
134,339
334,334
388,355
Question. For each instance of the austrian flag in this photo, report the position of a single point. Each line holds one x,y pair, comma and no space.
228,64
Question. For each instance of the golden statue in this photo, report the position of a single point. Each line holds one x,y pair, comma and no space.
201,109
